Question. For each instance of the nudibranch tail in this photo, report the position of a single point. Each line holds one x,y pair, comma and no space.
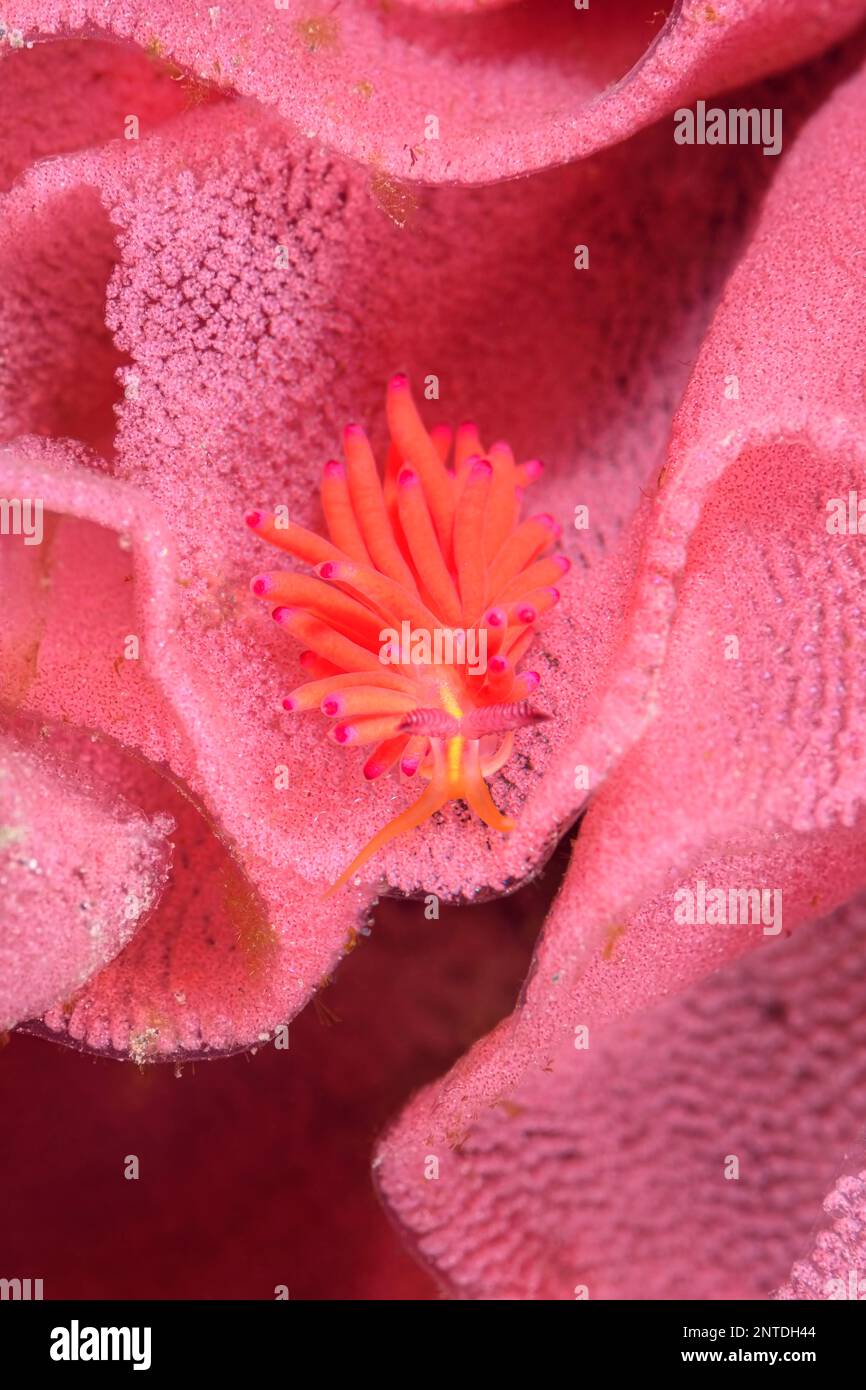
419,608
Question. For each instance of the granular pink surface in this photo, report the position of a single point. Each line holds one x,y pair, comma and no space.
188,319
70,902
606,1170
514,89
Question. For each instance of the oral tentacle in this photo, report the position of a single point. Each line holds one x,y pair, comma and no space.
340,651
467,445
363,730
340,516
442,437
384,756
543,574
368,501
416,751
529,472
366,700
426,555
432,800
469,541
416,447
519,550
533,605
343,612
389,596
502,503
491,765
310,695
296,540
317,668
476,793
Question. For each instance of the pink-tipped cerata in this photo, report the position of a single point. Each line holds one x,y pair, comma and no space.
420,608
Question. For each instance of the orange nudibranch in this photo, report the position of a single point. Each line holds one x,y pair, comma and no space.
420,608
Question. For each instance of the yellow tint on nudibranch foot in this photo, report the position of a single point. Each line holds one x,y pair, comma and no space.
421,605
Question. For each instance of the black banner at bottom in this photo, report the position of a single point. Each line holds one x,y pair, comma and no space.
156,1339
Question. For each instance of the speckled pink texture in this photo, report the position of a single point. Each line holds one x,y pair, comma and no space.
71,901
189,318
238,377
836,1267
76,94
513,89
750,768
257,933
604,1175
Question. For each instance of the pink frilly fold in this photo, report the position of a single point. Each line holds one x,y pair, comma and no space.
189,317
454,90
680,1153
749,771
71,901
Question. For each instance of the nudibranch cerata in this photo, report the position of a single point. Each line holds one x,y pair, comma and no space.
420,608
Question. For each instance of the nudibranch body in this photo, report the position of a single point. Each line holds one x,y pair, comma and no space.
420,608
